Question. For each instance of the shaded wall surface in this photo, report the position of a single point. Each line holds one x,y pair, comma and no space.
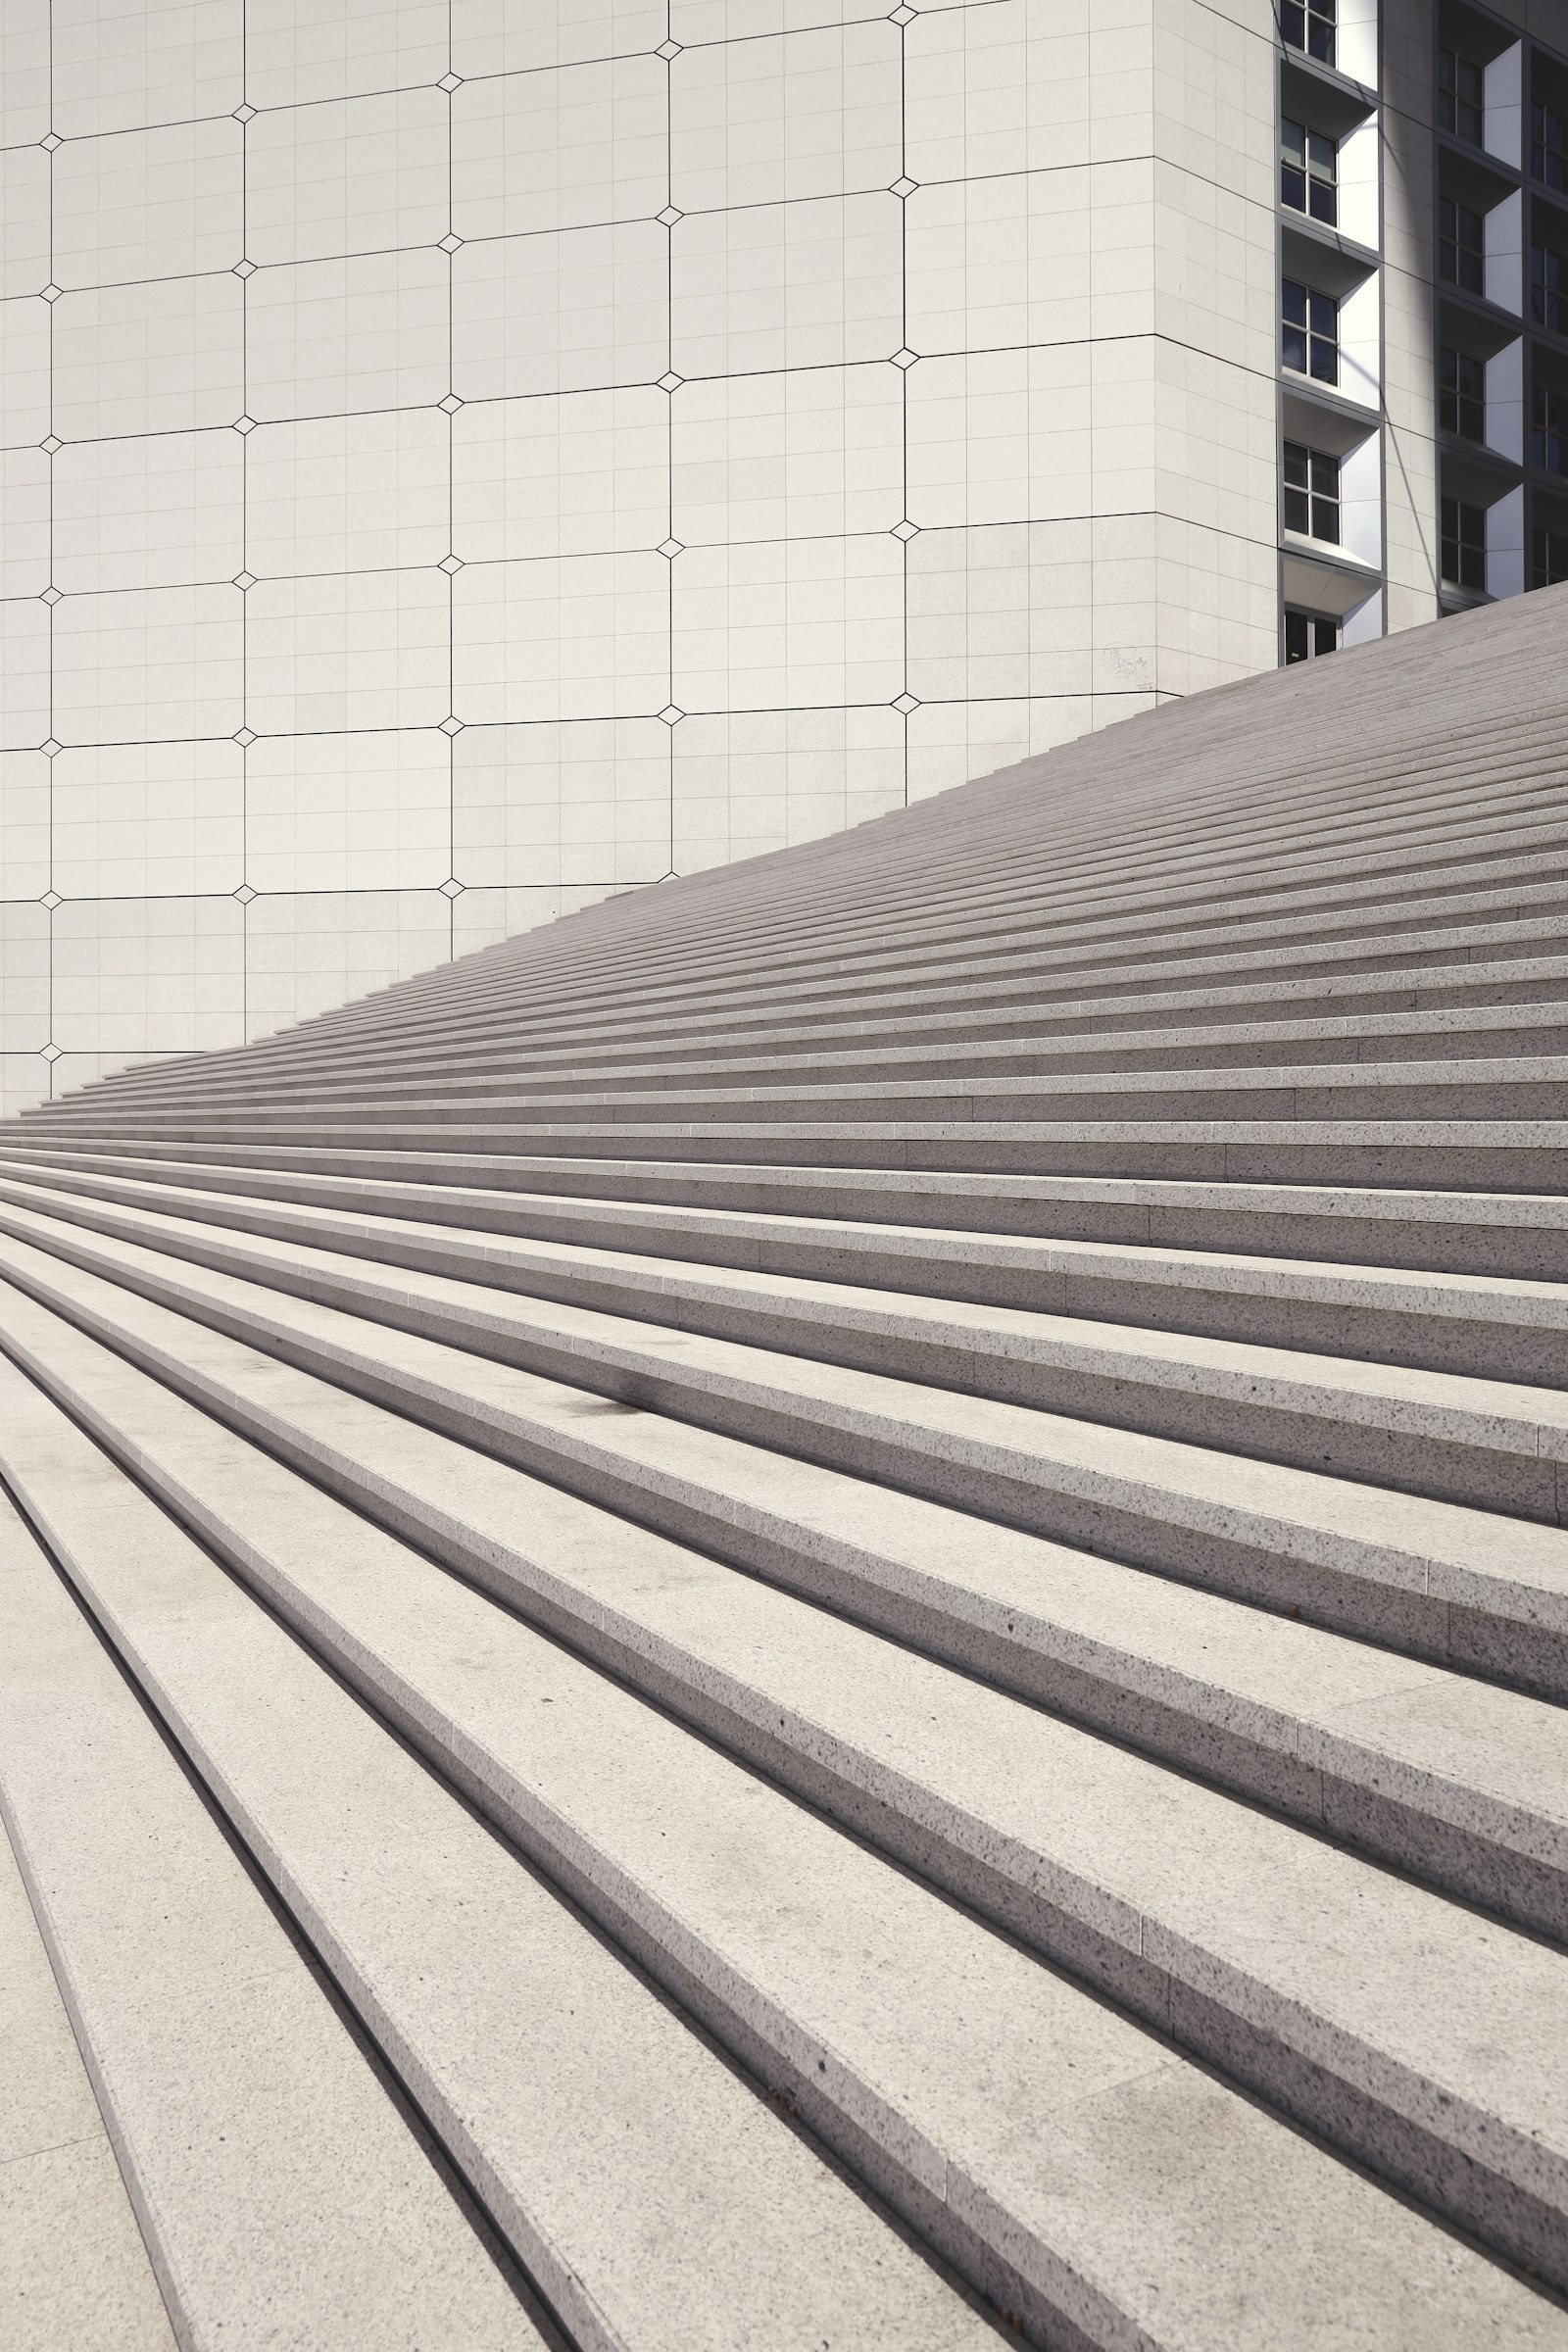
459,462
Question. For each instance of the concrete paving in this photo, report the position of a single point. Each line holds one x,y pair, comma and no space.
832,1607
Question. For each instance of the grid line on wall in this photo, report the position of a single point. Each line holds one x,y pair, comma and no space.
842,608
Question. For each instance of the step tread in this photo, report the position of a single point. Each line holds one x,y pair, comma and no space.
73,2266
700,1373
1487,1441
295,1538
488,1233
1326,1710
281,2194
428,1924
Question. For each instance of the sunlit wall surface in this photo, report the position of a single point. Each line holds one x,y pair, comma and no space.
462,461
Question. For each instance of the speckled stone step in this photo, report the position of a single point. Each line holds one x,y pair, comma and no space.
281,2194
450,1670
1491,1444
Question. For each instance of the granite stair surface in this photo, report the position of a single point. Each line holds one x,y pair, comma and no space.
830,1608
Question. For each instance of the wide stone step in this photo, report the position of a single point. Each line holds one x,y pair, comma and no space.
743,1216
653,2198
1319,942
706,1271
1518,999
1528,1030
281,2195
1452,1155
1402,974
1492,1443
73,2266
1391,2020
1455,1780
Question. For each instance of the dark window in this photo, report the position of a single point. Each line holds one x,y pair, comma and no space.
1309,172
1311,492
1461,246
1464,544
1461,97
1548,288
1548,429
1308,25
1551,557
1463,386
1549,147
1309,332
1308,634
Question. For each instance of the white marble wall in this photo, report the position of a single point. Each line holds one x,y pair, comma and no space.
459,460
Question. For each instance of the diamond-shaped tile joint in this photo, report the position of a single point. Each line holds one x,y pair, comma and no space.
244,268
449,565
449,243
244,114
904,186
51,140
905,529
672,715
51,443
451,888
901,16
452,403
244,424
244,579
49,595
671,215
906,702
671,548
51,898
452,727
49,747
50,1053
450,82
667,49
51,292
244,736
670,382
905,358
244,894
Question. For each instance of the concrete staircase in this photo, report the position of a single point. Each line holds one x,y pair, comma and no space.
831,1610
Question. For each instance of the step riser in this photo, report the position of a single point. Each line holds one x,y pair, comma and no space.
1526,2226
1348,1589
1499,1092
1460,1163
424,1093
1331,1786
559,1202
1062,1375
1406,970
1034,977
1037,1033
1503,1340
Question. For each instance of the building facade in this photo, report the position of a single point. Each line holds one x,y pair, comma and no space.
461,460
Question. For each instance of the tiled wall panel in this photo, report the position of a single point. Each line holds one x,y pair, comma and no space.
461,458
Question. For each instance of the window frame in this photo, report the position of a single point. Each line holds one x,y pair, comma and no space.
1313,629
1468,270
1461,103
1316,496
1463,533
1317,341
1548,429
1459,400
1548,556
1548,288
1315,174
1310,27
1548,146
